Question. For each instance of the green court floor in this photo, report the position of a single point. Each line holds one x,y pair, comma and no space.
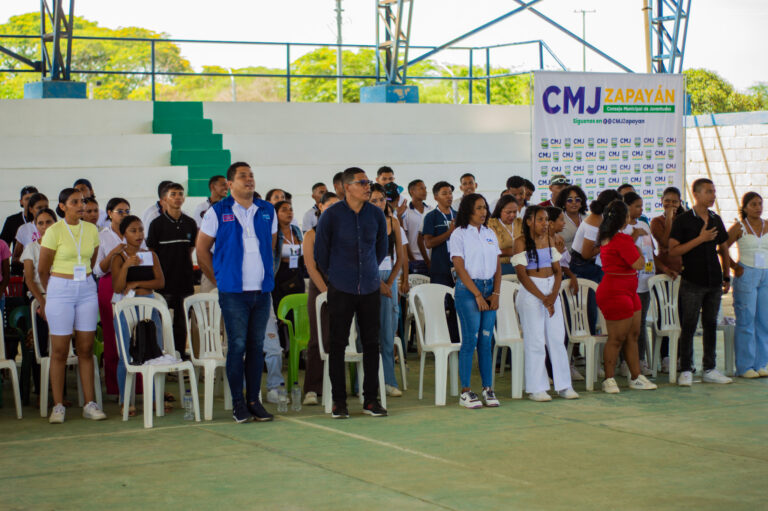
704,447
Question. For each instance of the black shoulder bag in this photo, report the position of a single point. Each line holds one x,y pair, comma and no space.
144,342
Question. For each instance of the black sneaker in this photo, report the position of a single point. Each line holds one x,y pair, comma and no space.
339,411
259,413
374,409
240,413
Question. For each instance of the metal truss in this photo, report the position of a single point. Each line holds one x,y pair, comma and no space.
667,28
393,31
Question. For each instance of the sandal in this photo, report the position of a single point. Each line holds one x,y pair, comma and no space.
131,411
169,397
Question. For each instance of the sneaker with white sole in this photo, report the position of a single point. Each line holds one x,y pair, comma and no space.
714,376
624,369
645,369
57,414
541,397
310,398
642,383
568,393
665,365
94,412
489,398
393,391
749,373
610,386
685,379
575,374
470,400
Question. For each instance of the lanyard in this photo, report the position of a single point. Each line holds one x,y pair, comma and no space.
762,228
511,233
447,218
293,242
79,242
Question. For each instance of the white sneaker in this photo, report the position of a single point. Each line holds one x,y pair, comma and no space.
489,398
610,386
576,375
273,396
642,383
685,379
470,400
540,397
310,398
93,411
57,414
645,369
714,376
393,391
665,365
568,393
624,369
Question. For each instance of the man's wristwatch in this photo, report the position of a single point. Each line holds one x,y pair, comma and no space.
727,279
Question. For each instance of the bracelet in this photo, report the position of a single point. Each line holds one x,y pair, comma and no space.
497,294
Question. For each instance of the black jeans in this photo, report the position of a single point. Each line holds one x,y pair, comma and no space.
693,299
341,309
176,304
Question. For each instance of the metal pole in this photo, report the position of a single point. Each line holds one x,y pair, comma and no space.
42,39
70,33
339,82
487,75
471,81
288,73
233,86
647,9
584,36
152,52
541,56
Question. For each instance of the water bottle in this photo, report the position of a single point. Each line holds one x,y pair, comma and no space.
189,412
296,397
282,399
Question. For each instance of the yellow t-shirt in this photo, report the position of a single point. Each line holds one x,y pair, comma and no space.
58,238
503,234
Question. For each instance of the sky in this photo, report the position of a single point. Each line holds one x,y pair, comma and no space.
722,36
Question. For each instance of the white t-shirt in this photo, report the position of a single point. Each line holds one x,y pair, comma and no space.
150,214
108,240
32,253
253,268
309,220
200,210
27,234
479,248
645,246
585,231
412,221
103,221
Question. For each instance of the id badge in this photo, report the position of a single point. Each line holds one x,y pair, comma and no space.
293,262
386,264
648,256
251,245
78,273
760,259
146,258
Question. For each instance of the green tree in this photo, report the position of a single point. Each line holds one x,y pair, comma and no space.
710,93
323,62
760,92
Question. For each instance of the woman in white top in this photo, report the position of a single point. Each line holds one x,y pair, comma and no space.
389,271
111,243
750,288
475,253
573,201
30,257
28,233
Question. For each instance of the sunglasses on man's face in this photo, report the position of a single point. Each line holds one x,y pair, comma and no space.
572,200
362,182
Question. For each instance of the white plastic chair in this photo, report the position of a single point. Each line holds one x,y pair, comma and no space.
666,322
351,356
45,368
401,354
11,366
509,336
204,307
510,277
413,281
428,305
134,310
577,325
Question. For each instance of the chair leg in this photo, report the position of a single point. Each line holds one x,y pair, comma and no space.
382,385
80,397
728,335
493,365
503,361
361,379
441,377
589,352
399,346
210,376
227,390
327,398
148,379
195,397
518,370
45,383
673,340
453,366
159,394
421,375
128,394
97,382
182,387
16,392
656,361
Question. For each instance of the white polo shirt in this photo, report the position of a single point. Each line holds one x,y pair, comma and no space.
253,267
412,222
479,248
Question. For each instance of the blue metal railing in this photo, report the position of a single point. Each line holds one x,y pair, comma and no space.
153,73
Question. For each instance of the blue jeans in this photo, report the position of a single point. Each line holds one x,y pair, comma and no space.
388,323
476,331
750,302
245,320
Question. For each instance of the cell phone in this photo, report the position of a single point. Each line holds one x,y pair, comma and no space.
146,258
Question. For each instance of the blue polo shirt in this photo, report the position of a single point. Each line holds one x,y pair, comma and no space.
435,224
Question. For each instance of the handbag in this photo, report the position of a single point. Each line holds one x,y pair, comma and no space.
144,342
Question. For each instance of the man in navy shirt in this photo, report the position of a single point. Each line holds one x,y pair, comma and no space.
350,243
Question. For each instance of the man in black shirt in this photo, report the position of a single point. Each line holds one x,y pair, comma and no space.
698,235
172,237
12,224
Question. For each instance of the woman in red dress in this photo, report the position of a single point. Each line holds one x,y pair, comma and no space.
617,296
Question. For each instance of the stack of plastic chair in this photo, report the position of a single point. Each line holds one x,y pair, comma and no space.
351,356
298,331
577,325
134,310
508,335
204,307
428,305
666,322
11,366
45,368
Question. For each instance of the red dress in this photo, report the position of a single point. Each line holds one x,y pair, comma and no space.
617,294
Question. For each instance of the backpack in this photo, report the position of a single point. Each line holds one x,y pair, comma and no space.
144,342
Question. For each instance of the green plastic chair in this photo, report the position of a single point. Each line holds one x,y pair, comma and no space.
298,331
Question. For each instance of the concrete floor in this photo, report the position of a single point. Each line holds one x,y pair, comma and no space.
704,447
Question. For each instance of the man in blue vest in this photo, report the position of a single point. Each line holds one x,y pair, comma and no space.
245,233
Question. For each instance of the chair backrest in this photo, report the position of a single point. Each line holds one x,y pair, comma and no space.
204,307
137,309
507,323
428,305
510,277
322,299
664,294
575,309
298,328
416,279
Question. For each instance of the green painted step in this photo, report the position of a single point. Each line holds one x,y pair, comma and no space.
200,126
205,172
178,110
200,157
199,187
196,141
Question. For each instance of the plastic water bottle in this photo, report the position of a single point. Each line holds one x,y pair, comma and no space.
282,399
189,412
296,397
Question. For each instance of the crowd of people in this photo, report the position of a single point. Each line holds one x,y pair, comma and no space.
359,243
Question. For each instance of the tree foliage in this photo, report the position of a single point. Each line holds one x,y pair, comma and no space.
710,93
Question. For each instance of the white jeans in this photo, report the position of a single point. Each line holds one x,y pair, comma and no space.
71,305
540,330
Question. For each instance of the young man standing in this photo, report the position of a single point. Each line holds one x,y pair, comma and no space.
467,185
386,175
156,209
350,243
556,185
698,235
418,254
245,233
172,237
310,217
217,186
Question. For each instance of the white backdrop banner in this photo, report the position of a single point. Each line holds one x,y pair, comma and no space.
605,129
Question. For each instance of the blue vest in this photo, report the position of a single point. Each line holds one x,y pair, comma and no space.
228,255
